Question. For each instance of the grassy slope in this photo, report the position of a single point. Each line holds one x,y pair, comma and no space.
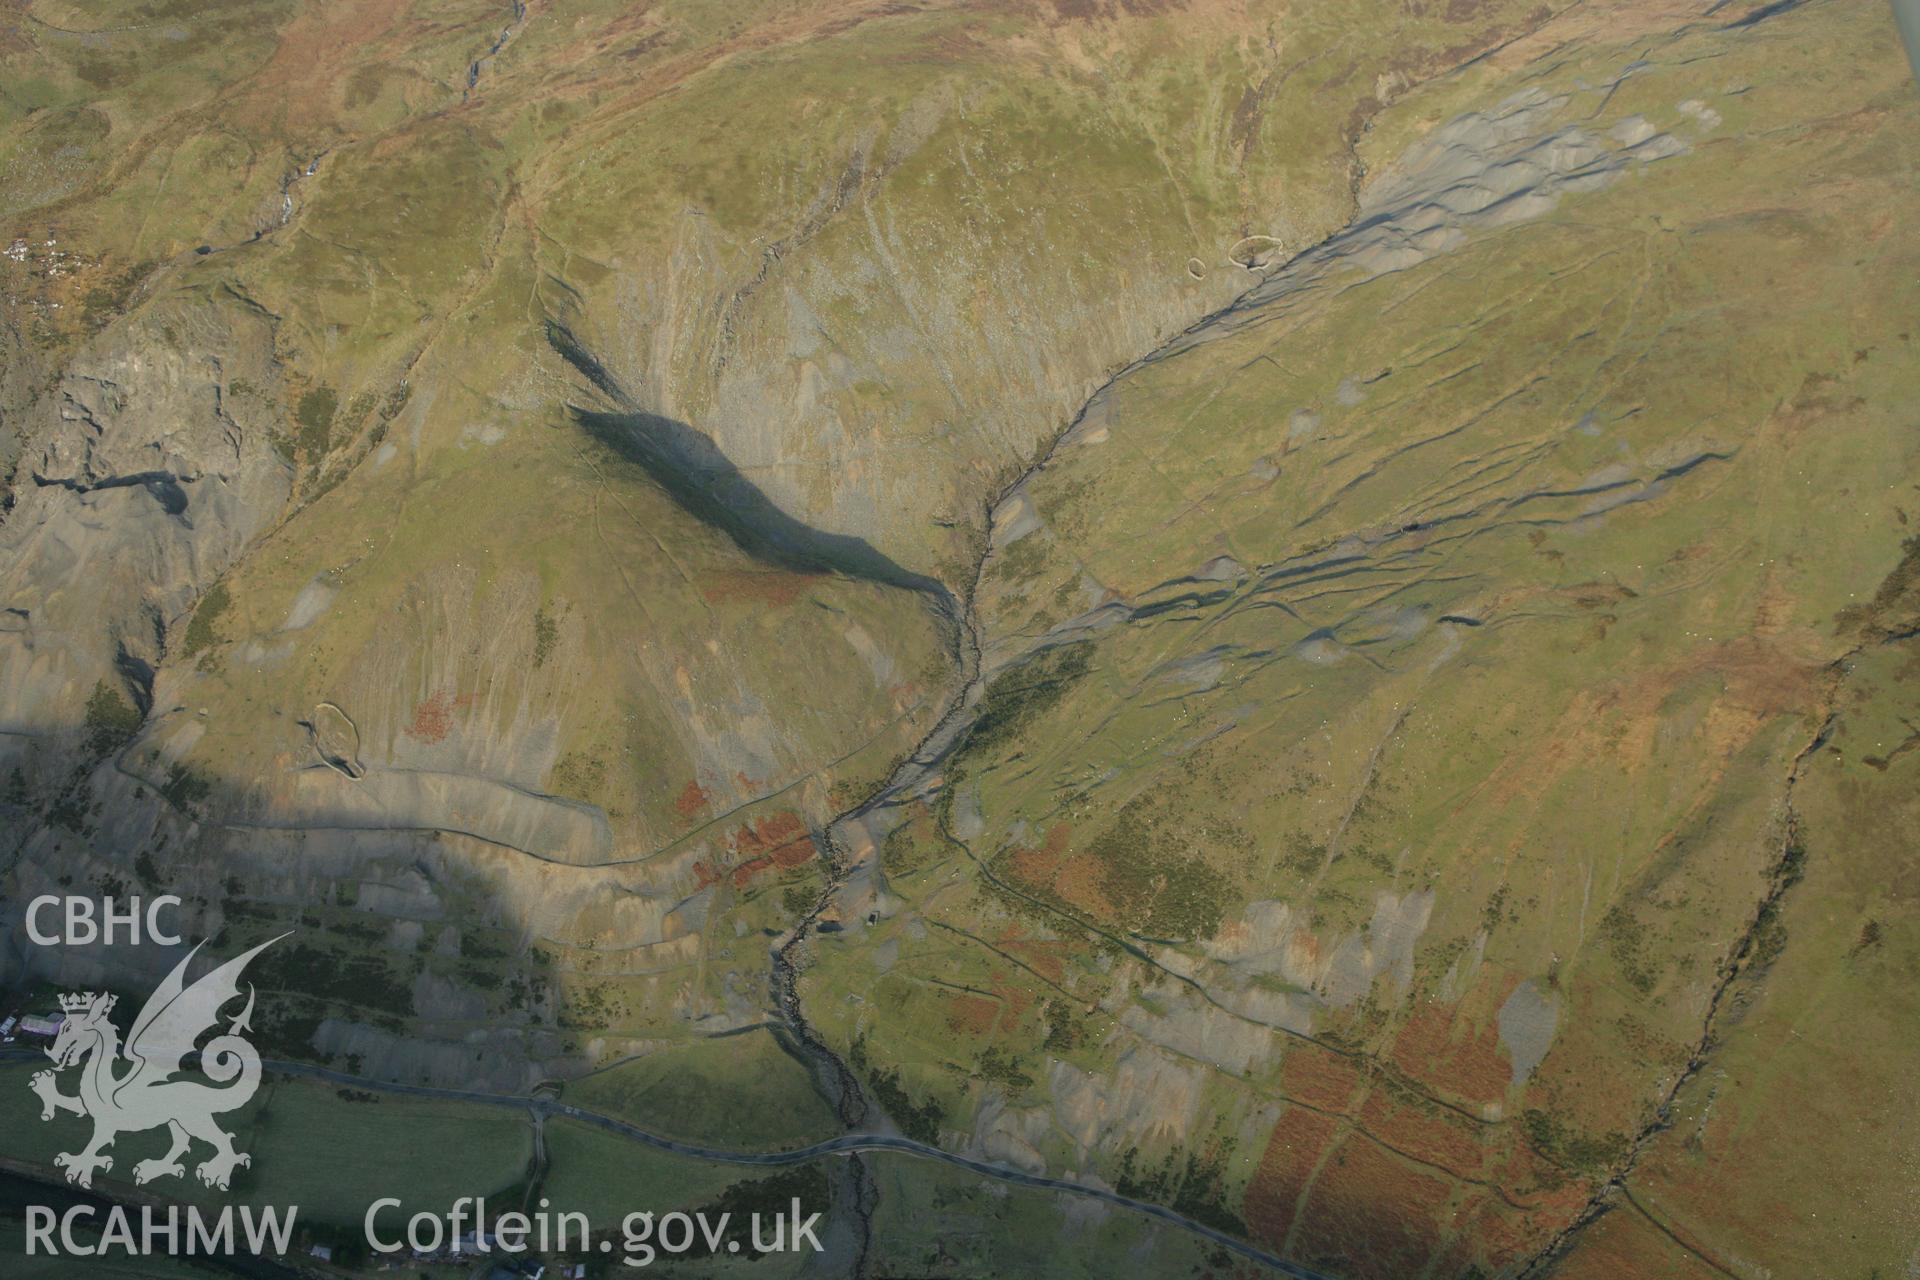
1790,1149
508,601
1589,782
739,1092
427,230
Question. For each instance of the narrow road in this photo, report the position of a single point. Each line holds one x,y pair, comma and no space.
546,1107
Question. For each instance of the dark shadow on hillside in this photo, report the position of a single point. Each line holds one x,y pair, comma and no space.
706,483
700,478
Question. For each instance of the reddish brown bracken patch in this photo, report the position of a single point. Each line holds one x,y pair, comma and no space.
1034,868
1443,1048
1046,957
1372,1213
1037,867
1015,997
794,853
781,838
1079,884
1319,1078
1074,878
433,717
971,1015
692,799
777,840
1293,1150
767,832
747,870
1443,1137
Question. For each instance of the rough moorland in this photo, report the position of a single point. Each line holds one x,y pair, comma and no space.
1299,610
1403,806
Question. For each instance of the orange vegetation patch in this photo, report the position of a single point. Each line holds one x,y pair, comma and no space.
1371,1214
1034,868
1046,957
1074,878
1079,886
1037,867
758,588
692,799
781,837
1293,1151
1015,997
1440,1137
1318,1078
1749,682
1548,1189
998,1009
971,1015
747,870
314,50
794,853
777,840
1445,1050
433,717
766,832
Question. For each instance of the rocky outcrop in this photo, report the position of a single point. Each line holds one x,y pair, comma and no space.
150,467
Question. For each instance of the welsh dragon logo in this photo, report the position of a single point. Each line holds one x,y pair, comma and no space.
147,1094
